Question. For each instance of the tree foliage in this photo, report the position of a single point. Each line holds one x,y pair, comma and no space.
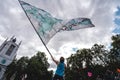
36,68
85,60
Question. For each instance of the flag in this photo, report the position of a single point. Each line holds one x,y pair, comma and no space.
47,26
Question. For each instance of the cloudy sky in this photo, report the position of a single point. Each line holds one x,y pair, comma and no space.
104,14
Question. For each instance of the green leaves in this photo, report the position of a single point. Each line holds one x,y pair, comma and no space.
35,67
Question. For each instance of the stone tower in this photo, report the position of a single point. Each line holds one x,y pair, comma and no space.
7,54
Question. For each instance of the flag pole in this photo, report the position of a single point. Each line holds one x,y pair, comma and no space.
35,30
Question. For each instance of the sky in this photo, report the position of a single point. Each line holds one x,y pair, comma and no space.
104,14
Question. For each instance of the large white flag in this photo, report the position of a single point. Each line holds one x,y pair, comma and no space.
47,26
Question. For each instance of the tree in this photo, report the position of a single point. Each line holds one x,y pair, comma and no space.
21,67
37,68
16,69
99,54
115,50
86,60
114,55
76,64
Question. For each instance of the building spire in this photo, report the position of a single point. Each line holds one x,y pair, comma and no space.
8,51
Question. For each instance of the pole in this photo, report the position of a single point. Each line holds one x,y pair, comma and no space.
35,29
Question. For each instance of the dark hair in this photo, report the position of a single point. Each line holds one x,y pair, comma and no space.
61,59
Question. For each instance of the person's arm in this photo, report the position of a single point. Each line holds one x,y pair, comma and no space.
54,59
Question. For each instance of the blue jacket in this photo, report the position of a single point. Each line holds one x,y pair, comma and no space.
60,69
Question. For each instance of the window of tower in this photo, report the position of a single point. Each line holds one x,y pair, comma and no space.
9,51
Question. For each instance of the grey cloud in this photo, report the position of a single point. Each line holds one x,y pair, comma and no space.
101,15
14,22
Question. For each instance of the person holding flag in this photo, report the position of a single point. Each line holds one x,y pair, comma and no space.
60,69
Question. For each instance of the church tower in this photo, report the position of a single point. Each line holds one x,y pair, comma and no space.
7,54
